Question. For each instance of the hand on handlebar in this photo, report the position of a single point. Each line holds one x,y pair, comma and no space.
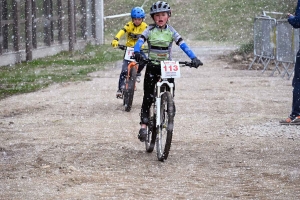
196,62
138,57
114,43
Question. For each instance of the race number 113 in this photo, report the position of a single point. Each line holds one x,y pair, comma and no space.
170,69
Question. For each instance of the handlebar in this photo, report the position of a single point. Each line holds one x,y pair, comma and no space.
148,60
123,47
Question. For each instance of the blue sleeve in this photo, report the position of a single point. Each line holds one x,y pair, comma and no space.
294,21
187,50
138,45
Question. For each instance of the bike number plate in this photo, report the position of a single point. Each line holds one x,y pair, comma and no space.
170,69
129,52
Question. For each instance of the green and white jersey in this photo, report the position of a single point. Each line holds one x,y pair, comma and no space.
160,41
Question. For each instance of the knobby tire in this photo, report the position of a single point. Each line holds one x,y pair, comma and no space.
165,129
129,91
151,131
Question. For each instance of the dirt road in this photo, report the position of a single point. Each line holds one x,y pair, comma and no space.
74,141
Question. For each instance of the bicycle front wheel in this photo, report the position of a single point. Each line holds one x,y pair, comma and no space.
129,90
165,129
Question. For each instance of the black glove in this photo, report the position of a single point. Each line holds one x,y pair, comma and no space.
196,62
138,57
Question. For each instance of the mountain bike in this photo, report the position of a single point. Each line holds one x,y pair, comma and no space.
128,91
162,111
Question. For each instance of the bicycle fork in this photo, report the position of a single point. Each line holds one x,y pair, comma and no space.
130,65
158,99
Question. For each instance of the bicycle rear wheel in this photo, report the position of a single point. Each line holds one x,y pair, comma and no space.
129,90
165,129
151,131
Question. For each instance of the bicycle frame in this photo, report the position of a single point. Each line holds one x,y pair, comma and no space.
130,65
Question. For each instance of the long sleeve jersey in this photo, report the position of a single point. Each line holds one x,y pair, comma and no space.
160,42
132,33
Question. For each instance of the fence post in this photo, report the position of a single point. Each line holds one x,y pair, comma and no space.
93,19
83,20
71,25
47,37
89,16
59,22
51,21
28,29
99,16
34,39
75,22
5,27
1,35
16,25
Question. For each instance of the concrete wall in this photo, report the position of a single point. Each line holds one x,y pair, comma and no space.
12,58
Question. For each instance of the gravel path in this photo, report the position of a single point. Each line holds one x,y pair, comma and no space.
75,141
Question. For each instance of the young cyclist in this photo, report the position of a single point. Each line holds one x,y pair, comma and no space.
159,37
133,30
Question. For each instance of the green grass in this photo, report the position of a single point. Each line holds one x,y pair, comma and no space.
37,74
206,20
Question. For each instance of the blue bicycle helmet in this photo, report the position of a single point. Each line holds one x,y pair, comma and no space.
137,12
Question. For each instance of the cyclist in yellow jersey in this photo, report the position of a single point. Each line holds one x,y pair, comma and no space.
133,30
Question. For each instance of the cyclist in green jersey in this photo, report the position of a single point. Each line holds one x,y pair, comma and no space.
159,37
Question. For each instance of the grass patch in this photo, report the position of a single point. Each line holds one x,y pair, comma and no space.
37,74
246,48
206,20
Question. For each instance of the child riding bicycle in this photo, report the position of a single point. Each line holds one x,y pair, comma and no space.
159,37
133,29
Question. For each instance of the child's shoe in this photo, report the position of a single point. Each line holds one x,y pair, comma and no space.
142,134
119,94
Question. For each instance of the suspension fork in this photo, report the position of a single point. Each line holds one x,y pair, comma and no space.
158,98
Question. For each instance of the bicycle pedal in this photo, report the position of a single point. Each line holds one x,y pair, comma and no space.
119,96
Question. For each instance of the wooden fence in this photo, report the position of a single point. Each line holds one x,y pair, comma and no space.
30,25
